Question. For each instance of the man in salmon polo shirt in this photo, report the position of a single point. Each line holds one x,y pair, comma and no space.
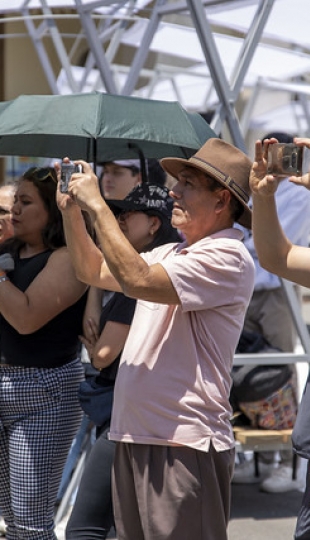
171,415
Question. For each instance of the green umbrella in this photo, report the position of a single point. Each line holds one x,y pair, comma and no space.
99,127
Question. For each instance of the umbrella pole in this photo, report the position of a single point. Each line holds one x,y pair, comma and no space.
95,155
144,171
91,153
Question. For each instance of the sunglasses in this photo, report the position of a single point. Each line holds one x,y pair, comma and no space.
41,174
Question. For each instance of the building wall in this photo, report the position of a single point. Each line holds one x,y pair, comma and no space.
22,73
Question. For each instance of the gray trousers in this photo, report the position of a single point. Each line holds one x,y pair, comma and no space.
269,314
174,492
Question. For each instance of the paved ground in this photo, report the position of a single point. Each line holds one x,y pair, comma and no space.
255,515
262,516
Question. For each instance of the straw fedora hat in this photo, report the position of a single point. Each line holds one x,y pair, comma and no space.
224,162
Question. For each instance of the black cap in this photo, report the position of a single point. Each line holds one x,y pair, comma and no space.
145,197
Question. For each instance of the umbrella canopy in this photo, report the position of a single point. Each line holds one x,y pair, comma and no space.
99,127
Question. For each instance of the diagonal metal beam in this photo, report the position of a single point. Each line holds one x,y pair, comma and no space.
249,45
217,72
111,33
228,92
91,33
143,51
41,52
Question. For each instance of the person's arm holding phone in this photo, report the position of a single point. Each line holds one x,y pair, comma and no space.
276,253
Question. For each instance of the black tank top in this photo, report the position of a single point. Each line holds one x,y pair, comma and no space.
53,345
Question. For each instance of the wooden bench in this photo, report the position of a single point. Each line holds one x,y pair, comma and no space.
248,438
262,440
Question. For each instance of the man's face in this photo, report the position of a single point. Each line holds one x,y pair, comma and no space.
117,181
6,203
197,210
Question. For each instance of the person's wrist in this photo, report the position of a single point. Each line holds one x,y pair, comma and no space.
71,211
96,207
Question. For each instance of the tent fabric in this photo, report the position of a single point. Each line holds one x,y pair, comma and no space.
175,40
288,22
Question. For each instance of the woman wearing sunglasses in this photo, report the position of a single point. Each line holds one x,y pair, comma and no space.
41,305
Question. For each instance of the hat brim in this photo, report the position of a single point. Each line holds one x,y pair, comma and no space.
174,166
118,205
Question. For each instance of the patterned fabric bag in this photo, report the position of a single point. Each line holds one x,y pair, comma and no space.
277,411
257,382
265,394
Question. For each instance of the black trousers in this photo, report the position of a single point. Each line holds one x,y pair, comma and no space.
92,514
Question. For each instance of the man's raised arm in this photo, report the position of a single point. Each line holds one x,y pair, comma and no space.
87,259
275,252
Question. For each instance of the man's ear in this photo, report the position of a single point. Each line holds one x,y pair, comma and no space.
224,197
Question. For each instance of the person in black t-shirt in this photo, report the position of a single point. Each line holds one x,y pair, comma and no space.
144,217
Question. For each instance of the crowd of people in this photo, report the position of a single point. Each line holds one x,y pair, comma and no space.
156,285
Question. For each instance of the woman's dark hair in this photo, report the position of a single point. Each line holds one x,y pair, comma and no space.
53,236
45,180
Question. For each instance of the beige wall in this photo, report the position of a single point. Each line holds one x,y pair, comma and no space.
23,73
21,70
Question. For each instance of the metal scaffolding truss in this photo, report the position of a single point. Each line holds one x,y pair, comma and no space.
204,52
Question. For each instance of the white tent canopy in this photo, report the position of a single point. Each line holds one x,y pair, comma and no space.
288,118
288,21
175,40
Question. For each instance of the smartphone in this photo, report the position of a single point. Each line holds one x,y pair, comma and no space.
287,159
67,170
